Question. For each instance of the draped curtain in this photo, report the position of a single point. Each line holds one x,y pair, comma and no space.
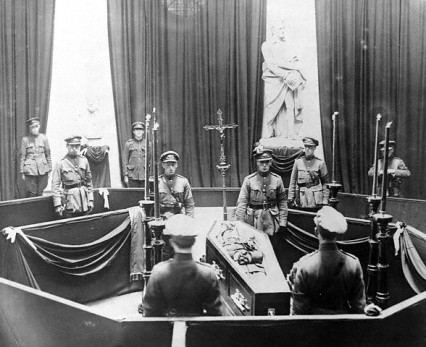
371,57
26,39
188,59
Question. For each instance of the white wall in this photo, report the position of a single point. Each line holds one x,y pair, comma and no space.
81,70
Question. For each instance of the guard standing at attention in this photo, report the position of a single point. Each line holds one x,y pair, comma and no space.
262,200
35,159
328,281
133,158
175,190
72,182
397,170
175,195
182,286
309,178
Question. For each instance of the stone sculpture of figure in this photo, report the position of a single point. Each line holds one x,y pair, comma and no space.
94,147
284,83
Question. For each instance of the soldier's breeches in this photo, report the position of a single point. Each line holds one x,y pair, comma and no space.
35,184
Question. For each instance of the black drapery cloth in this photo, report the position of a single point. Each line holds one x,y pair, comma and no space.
307,242
92,267
188,59
371,56
413,257
26,46
99,165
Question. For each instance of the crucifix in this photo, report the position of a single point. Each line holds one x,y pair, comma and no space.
222,166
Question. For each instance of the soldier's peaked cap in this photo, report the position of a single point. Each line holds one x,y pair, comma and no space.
331,220
138,125
73,140
310,141
261,153
181,226
33,121
169,157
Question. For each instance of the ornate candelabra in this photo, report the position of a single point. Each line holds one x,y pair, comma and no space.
383,219
374,202
334,187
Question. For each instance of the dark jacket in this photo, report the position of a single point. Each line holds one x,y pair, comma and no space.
260,193
134,159
182,287
176,194
35,159
321,286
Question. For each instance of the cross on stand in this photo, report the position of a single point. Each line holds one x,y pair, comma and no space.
222,166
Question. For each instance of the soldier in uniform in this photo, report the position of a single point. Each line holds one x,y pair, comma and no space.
309,178
175,191
35,159
182,286
262,200
134,157
72,182
397,170
175,195
328,281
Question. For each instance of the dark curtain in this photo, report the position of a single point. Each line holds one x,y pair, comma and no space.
189,59
26,40
371,59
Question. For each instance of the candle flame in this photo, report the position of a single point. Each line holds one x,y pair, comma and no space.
388,124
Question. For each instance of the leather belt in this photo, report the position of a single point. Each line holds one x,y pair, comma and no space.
263,206
75,185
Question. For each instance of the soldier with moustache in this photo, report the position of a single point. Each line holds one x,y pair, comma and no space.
35,159
309,178
72,182
262,200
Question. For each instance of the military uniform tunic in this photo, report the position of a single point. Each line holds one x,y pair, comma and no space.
395,178
72,183
134,159
35,155
35,163
182,287
308,182
262,202
328,281
175,194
